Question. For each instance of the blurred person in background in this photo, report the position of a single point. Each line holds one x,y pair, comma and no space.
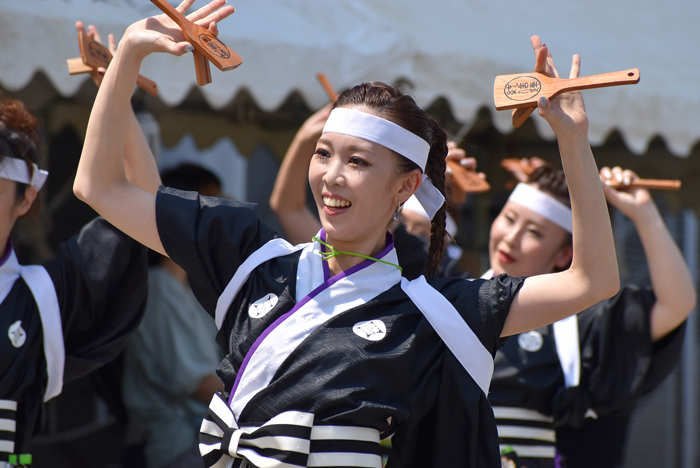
170,362
599,362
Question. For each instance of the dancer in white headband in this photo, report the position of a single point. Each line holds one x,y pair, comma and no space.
67,317
600,361
328,350
589,369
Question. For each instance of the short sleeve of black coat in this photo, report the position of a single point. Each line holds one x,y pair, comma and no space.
100,276
620,363
209,238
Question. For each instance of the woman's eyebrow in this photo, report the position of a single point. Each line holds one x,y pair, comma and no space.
352,148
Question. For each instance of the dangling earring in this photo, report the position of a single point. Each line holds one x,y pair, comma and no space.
395,216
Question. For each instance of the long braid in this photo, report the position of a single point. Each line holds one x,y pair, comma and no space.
435,170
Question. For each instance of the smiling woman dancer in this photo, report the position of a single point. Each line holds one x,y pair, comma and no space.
327,349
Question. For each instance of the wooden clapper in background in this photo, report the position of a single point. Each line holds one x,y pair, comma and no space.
94,55
512,164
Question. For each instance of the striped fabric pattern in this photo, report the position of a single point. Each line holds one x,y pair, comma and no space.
8,426
288,440
529,433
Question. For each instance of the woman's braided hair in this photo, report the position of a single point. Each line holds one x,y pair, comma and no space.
391,104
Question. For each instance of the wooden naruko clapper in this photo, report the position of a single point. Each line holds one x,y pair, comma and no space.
521,91
94,55
510,164
207,47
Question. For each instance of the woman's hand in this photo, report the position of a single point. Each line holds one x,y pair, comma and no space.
161,34
566,113
526,166
313,126
634,203
457,154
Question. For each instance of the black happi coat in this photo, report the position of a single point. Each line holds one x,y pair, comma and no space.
100,281
619,364
408,382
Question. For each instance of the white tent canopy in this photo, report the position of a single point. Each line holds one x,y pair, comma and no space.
444,48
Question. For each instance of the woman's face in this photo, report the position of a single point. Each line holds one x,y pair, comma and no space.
356,186
524,243
11,208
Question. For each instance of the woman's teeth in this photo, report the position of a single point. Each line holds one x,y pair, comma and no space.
335,203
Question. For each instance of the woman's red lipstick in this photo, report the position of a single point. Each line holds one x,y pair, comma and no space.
504,258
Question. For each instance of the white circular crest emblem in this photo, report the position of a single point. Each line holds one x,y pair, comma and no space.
17,334
262,306
530,341
374,330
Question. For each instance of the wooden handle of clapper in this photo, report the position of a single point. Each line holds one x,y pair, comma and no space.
201,66
650,184
332,95
77,67
520,115
597,81
170,10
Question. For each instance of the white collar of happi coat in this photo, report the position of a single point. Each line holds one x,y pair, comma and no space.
9,271
566,339
320,303
42,288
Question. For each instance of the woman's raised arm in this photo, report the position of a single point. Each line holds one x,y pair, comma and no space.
288,198
139,162
593,275
101,179
670,278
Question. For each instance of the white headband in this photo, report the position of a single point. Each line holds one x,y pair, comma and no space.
369,127
16,169
542,204
412,204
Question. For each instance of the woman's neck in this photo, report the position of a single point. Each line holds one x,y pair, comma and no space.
371,246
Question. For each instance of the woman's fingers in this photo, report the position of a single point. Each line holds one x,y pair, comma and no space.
217,16
550,63
541,60
206,10
617,174
184,6
112,44
168,45
543,106
628,177
95,34
575,66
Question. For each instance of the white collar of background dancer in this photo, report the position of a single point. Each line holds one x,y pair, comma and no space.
543,204
369,127
16,169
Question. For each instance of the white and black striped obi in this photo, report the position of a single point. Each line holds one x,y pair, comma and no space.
320,380
61,320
